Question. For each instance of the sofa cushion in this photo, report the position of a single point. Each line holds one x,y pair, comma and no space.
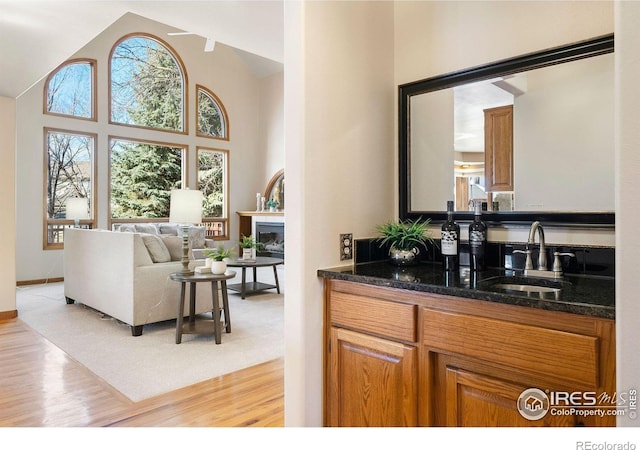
174,245
157,249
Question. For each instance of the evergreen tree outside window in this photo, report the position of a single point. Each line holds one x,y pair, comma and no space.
69,90
212,117
147,84
213,182
142,177
70,171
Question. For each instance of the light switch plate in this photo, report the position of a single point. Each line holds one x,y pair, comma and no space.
346,246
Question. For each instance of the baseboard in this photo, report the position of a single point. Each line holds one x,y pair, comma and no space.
42,281
6,315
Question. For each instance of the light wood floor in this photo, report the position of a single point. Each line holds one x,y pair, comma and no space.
41,386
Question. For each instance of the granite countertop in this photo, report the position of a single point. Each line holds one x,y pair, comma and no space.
578,294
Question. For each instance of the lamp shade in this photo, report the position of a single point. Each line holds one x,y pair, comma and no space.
186,206
77,208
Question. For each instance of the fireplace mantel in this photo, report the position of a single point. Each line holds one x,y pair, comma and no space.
246,220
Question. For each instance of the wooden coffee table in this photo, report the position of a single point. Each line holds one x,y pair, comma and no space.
251,288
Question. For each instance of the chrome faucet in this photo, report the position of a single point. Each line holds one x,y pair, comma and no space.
542,255
542,270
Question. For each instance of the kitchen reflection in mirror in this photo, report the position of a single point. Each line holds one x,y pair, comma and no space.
540,140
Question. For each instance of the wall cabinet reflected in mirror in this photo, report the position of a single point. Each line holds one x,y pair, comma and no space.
532,135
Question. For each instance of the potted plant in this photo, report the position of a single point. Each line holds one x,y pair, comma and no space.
273,205
247,244
405,239
217,257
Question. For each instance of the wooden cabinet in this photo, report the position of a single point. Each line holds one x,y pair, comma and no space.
372,361
396,357
498,148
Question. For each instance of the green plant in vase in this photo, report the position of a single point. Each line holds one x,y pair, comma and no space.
405,238
273,205
218,256
247,244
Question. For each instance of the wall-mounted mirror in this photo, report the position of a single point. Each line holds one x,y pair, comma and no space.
531,136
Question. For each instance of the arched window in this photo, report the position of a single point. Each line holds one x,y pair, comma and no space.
70,90
147,85
212,117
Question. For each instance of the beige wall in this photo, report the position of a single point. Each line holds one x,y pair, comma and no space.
339,163
7,205
272,125
222,71
628,193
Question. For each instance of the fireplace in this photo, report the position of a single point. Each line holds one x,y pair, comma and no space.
271,236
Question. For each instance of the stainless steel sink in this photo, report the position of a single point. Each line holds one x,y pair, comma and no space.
531,287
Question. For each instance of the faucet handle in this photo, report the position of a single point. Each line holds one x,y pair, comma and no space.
557,265
528,264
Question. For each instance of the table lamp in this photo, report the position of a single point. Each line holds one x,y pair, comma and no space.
185,210
77,208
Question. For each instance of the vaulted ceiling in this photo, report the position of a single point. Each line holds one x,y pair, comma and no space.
36,36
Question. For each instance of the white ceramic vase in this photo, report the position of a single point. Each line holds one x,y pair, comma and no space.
218,267
246,253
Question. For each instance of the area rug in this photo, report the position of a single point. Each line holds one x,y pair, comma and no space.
152,364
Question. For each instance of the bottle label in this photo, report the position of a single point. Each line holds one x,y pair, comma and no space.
449,243
477,237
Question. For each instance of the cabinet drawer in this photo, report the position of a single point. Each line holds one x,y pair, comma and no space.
568,356
380,317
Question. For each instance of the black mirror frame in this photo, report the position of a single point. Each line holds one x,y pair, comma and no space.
557,55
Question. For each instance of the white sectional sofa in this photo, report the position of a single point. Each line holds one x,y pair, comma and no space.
115,273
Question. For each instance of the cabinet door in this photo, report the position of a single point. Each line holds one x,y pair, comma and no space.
372,381
477,400
498,148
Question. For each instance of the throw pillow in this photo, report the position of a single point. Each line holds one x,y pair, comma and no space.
146,228
174,245
127,227
156,248
168,228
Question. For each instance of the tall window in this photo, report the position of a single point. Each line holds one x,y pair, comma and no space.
69,162
142,176
213,182
69,90
147,88
147,85
212,118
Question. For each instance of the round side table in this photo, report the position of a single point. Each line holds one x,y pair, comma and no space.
203,326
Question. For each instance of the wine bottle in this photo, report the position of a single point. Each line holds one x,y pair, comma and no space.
449,242
477,241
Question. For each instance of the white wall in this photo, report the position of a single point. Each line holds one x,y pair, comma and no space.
7,205
222,71
628,193
339,106
563,138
